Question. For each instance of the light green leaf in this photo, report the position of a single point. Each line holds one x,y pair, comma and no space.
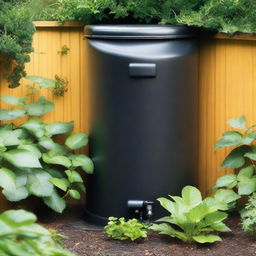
46,143
228,181
76,141
10,138
220,227
167,204
206,239
197,213
22,158
6,115
236,158
43,82
227,196
60,128
13,100
35,127
74,194
60,183
40,107
84,162
33,149
237,123
59,160
73,176
38,183
229,139
247,186
245,173
55,202
191,196
216,216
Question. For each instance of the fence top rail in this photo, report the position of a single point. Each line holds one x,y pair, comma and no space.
76,24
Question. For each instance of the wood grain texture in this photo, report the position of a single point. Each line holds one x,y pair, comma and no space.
227,90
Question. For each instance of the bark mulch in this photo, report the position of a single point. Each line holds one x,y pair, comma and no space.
95,243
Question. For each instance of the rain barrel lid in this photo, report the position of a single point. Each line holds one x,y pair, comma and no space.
138,32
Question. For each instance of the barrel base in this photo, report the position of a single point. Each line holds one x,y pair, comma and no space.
95,219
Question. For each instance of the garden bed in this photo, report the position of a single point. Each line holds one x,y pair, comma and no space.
95,243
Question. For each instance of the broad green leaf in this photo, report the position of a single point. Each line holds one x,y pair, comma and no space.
251,155
76,141
33,149
74,194
247,186
236,158
7,179
10,138
40,107
197,213
22,158
13,100
191,196
167,204
59,160
57,150
80,186
84,162
35,127
224,195
245,173
60,183
46,143
21,217
229,139
73,176
228,181
221,227
39,183
167,219
206,239
216,216
237,123
43,82
60,128
55,202
6,115
214,204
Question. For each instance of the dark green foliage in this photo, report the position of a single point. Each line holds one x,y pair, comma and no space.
228,16
16,32
248,215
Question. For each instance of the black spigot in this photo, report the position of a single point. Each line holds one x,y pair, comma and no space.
141,209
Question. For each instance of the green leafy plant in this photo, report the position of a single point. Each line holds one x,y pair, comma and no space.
229,16
32,163
121,229
20,235
193,219
16,33
60,87
248,215
64,50
242,157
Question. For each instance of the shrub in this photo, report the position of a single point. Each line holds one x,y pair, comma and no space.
31,162
248,215
20,235
125,230
16,32
227,16
193,219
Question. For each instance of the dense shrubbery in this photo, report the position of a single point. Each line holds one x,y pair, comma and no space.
16,32
228,16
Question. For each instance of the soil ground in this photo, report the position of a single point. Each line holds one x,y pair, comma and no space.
84,242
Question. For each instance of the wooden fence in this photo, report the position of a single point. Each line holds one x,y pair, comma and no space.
227,86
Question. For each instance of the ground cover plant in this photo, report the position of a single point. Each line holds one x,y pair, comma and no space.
21,236
32,162
193,219
227,16
121,229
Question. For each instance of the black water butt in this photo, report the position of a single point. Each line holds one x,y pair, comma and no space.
143,141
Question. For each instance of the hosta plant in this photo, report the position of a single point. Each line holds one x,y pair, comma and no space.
33,163
248,215
21,236
192,219
242,157
121,229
